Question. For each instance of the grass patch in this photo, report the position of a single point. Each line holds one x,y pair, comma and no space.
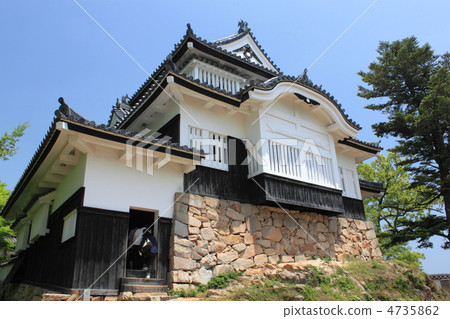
216,282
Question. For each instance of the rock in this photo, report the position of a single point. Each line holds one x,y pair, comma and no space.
180,229
248,210
212,214
193,230
260,259
239,247
287,259
273,259
207,234
228,257
231,213
242,264
271,233
183,263
290,223
332,224
370,235
219,269
252,250
343,223
182,251
264,243
321,237
325,245
299,258
254,271
179,277
269,251
125,296
237,227
278,223
201,251
192,221
180,209
195,255
231,239
183,242
249,239
320,227
360,225
291,250
216,247
208,262
201,276
111,298
212,202
192,237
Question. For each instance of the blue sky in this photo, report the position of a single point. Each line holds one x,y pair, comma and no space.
52,49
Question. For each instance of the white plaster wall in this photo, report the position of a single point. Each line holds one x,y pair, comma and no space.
214,119
71,183
348,162
110,184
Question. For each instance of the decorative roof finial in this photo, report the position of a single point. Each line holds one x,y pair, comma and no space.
243,27
189,30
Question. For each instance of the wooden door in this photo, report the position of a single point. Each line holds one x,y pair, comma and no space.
164,232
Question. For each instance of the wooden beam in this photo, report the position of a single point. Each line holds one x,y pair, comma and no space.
69,159
208,105
49,177
79,144
61,170
47,185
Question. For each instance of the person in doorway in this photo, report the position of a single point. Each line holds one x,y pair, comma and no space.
134,259
148,251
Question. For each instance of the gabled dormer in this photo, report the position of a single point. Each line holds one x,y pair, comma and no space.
244,45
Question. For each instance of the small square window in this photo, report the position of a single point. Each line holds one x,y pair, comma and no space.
69,227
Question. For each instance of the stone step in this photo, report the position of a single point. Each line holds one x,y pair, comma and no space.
136,273
141,281
145,288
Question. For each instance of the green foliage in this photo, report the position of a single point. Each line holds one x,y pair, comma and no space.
8,141
405,254
414,86
7,149
5,234
402,202
216,282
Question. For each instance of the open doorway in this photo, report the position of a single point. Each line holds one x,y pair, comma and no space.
139,219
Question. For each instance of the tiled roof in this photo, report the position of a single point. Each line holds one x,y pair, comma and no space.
67,113
167,65
372,145
306,82
372,185
439,276
244,30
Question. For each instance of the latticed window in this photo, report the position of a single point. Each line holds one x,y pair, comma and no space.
214,144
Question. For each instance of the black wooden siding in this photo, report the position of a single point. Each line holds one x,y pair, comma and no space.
48,262
296,194
172,129
354,208
232,184
101,244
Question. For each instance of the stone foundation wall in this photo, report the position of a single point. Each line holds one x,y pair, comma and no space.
212,236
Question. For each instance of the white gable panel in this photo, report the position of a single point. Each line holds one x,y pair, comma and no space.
237,47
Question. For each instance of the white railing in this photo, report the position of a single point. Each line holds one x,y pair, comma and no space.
291,162
217,80
214,76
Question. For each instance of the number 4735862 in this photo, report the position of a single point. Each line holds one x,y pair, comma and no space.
413,310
